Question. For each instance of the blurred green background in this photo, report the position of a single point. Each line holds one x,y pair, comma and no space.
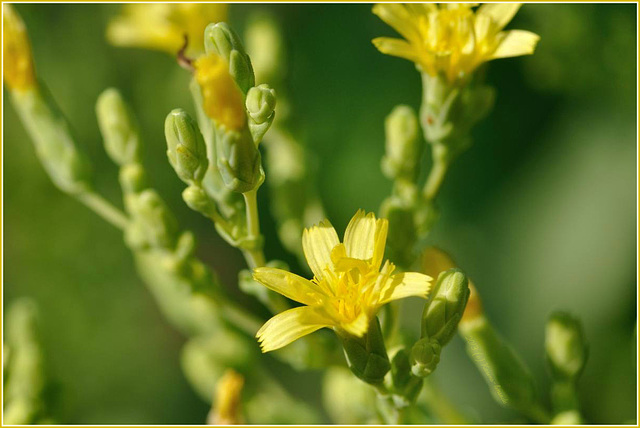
541,212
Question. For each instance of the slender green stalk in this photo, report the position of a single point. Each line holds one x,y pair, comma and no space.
436,176
104,209
255,256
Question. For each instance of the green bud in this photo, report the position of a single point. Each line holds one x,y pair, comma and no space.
186,150
221,40
403,146
118,128
153,219
445,306
367,356
197,199
239,161
406,387
425,356
402,235
133,178
261,104
565,345
508,378
67,166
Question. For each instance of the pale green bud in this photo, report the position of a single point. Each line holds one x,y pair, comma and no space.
565,346
154,219
403,145
186,150
425,356
239,161
445,306
406,387
402,230
261,104
221,40
67,166
133,178
197,199
367,356
118,128
508,378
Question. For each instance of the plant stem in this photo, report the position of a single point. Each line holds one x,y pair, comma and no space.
437,173
104,209
255,256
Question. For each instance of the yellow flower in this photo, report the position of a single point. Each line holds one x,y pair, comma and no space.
348,288
453,38
17,62
162,26
223,101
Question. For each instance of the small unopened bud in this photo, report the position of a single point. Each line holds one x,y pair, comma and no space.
443,310
133,178
221,40
403,145
239,162
118,128
565,346
261,104
154,219
425,356
17,62
186,150
367,356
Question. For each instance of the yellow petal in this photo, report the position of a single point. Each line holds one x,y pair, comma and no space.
405,285
288,284
421,8
288,326
317,243
358,327
395,47
516,43
398,18
365,237
500,13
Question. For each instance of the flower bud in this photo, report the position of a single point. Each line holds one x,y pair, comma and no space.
565,346
445,306
117,125
403,146
367,356
261,104
197,199
405,386
186,150
133,178
239,161
425,356
17,62
156,222
63,160
221,40
509,380
264,43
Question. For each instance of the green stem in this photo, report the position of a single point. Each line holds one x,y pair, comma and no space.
104,209
255,256
437,173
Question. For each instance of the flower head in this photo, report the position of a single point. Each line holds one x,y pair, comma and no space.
350,283
452,38
17,62
162,26
223,101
